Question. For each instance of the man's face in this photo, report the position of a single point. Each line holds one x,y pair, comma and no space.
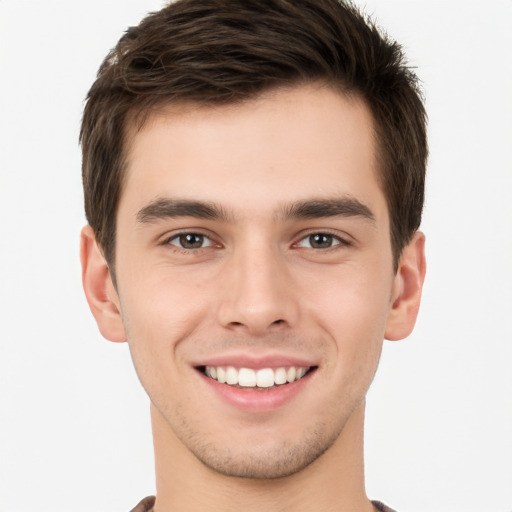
254,240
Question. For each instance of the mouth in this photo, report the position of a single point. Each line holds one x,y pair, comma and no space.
262,379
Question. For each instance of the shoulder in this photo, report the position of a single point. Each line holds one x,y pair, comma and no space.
146,505
381,507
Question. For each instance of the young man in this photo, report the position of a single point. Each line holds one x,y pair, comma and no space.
253,176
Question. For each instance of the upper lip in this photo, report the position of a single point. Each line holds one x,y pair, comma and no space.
255,361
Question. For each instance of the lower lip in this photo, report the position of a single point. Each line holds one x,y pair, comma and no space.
253,400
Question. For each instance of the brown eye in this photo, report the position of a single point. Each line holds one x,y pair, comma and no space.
190,241
320,241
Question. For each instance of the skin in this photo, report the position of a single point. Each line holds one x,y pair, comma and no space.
256,285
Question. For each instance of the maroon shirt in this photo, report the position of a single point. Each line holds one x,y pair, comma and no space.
146,505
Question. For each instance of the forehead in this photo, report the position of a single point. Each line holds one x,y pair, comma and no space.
283,146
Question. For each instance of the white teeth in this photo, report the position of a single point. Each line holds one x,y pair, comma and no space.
300,373
265,378
249,378
231,375
280,376
221,374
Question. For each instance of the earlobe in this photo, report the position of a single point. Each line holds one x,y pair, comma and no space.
99,289
407,288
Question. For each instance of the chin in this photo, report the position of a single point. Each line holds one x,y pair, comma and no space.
270,460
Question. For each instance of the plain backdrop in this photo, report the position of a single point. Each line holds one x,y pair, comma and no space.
74,421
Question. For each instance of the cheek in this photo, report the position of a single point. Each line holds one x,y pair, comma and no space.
165,299
160,312
351,298
351,307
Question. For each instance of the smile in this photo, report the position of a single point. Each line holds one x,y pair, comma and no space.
263,378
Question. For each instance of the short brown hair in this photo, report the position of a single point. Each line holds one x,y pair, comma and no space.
224,51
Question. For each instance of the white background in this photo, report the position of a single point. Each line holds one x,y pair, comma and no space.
74,421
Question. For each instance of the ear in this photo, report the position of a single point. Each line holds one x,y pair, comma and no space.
99,288
407,286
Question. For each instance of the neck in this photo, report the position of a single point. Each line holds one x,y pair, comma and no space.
334,482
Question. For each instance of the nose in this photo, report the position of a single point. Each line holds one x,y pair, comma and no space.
257,292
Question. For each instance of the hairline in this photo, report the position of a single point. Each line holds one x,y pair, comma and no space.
140,114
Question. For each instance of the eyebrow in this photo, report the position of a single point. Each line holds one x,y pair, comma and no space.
321,208
165,208
174,208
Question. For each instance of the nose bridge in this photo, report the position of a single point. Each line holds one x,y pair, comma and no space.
256,294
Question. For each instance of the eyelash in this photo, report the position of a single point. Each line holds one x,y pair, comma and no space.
336,239
178,236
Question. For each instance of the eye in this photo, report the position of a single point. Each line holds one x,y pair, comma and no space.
320,241
190,241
